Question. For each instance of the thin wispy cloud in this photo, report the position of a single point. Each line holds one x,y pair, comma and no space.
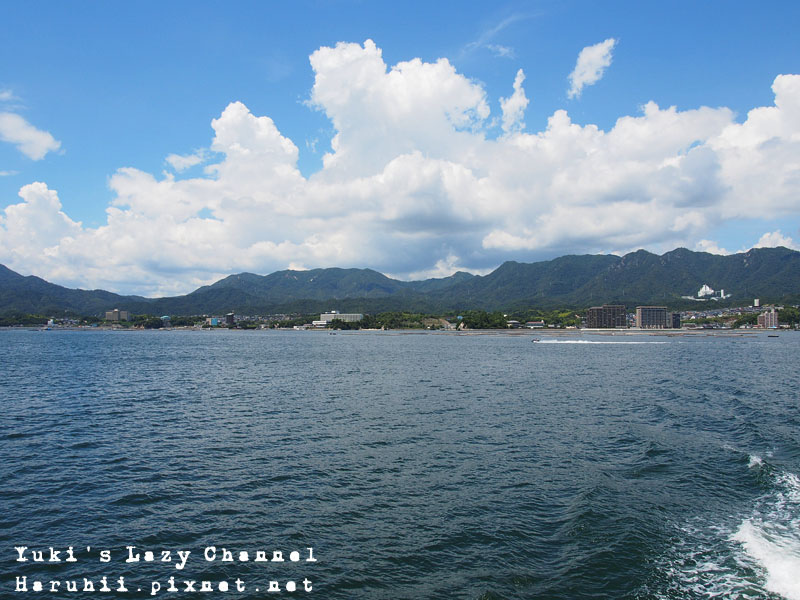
11,102
590,67
493,31
485,38
501,51
181,162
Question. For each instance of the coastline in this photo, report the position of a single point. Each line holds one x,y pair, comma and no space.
533,333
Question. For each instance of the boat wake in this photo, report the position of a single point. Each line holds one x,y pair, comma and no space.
755,557
770,537
596,342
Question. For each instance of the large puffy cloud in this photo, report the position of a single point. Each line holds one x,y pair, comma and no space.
417,183
379,114
34,232
644,181
760,158
32,142
37,222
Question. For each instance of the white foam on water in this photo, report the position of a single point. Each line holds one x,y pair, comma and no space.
776,551
753,557
593,342
770,536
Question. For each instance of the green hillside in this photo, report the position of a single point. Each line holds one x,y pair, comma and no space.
771,274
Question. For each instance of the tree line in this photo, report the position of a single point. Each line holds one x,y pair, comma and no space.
471,319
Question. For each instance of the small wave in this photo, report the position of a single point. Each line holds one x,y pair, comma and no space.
755,461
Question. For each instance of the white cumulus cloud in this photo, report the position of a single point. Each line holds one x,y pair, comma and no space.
415,185
592,63
514,106
379,114
774,239
32,142
33,231
711,247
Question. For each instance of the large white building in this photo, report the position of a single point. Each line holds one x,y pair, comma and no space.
346,317
705,291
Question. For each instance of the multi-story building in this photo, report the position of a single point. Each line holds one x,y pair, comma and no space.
768,319
118,315
607,316
653,317
346,317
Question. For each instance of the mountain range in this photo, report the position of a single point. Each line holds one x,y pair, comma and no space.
637,278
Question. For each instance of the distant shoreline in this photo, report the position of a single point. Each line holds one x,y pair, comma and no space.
511,332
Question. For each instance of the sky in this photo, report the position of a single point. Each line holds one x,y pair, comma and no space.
154,147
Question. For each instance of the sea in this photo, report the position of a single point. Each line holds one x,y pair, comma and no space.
399,465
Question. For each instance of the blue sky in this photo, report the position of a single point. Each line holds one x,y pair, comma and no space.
124,86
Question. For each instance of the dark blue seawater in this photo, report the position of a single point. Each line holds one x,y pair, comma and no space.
415,466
